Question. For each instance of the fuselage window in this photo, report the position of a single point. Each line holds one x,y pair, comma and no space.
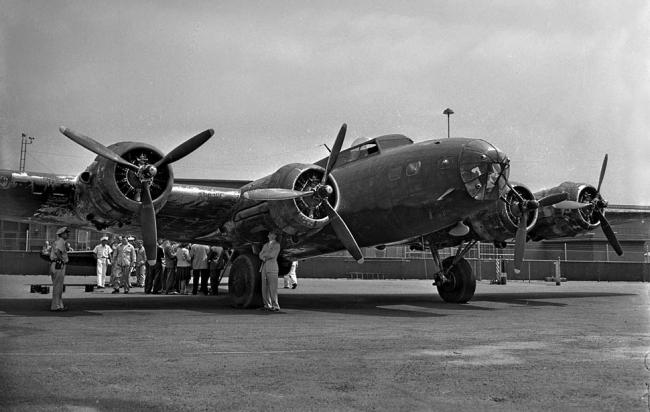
413,168
445,163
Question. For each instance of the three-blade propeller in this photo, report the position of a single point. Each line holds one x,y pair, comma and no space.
559,201
599,204
596,207
321,193
145,174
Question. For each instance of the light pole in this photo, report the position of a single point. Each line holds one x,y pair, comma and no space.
23,150
448,112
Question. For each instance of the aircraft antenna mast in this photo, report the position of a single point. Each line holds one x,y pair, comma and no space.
25,140
448,112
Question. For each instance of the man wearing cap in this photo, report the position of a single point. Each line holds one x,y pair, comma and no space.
59,259
124,262
140,263
102,253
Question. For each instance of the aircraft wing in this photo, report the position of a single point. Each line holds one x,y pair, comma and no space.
197,212
194,209
583,211
46,196
620,214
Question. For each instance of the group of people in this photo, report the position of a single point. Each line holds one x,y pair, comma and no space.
175,264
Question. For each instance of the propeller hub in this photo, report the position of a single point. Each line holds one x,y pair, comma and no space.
323,191
532,204
147,172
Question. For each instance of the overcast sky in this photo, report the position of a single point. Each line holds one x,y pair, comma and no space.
556,85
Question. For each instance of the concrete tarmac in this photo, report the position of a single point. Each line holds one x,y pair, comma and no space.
342,345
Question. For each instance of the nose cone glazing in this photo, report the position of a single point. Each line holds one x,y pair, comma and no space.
484,170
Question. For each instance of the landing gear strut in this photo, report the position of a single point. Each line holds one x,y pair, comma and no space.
455,282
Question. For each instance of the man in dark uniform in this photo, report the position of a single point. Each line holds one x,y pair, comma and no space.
217,259
154,282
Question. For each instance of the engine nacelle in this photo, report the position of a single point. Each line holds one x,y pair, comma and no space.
554,223
109,194
293,216
500,223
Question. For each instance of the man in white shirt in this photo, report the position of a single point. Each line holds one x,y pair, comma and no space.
291,278
102,253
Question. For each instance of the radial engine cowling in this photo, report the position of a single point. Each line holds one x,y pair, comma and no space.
108,193
556,222
500,223
293,216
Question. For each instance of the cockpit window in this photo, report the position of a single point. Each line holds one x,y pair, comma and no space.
357,153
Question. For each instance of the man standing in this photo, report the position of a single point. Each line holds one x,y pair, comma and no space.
112,266
199,255
59,259
169,274
140,263
217,260
153,283
269,270
183,266
102,253
124,262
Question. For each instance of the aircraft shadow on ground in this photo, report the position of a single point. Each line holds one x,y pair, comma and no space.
423,305
61,402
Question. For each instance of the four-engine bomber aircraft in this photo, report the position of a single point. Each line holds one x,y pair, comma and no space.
387,190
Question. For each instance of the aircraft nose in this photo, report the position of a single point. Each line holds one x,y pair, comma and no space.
482,166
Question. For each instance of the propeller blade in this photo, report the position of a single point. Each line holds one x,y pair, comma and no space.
96,147
570,204
520,243
343,232
338,143
185,148
148,224
275,194
553,199
602,173
609,233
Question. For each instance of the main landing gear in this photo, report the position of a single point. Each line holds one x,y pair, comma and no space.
455,282
245,282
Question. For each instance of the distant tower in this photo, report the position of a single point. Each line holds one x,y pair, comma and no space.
448,112
23,150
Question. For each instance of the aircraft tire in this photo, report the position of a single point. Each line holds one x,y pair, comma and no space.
462,284
244,281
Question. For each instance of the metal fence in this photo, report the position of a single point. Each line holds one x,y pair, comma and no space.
564,251
32,240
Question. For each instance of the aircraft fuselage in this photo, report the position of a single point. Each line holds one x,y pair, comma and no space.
408,191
